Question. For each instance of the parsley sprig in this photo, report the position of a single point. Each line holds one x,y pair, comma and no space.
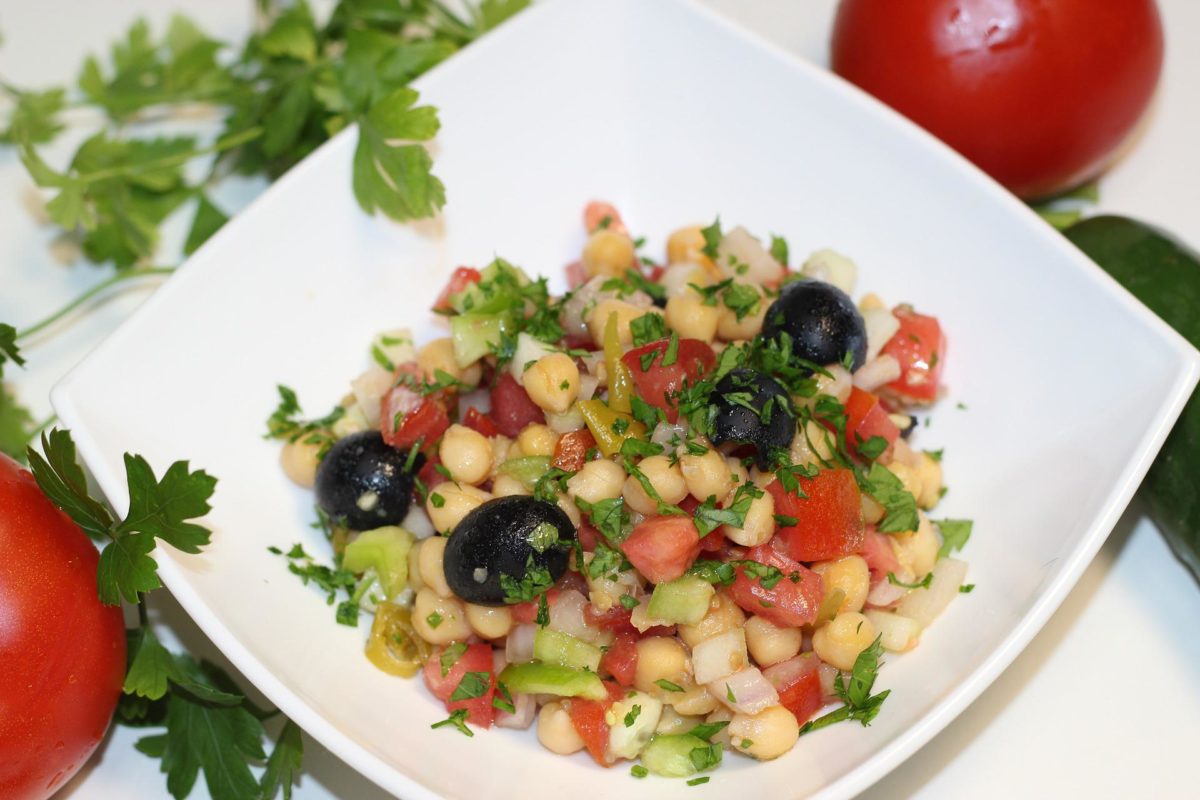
859,703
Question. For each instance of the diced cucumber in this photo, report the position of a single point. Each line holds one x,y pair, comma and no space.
497,290
632,723
563,649
534,678
681,602
384,550
671,755
476,335
526,469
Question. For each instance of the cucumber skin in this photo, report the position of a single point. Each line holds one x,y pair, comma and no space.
1165,275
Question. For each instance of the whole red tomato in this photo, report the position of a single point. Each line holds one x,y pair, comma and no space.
1038,93
62,653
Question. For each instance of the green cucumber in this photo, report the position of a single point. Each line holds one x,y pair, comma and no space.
1165,275
476,335
526,469
683,601
565,650
678,755
386,551
534,678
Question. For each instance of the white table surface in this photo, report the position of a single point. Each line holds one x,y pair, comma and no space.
1104,703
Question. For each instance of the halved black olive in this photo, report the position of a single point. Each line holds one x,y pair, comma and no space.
363,484
525,539
822,320
753,409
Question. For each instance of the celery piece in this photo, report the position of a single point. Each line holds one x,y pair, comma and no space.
534,678
565,650
683,601
476,335
670,755
526,469
386,551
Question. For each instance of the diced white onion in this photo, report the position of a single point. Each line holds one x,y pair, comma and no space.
924,605
518,647
751,692
566,616
525,707
627,740
831,267
396,345
675,278
884,594
898,633
759,265
528,349
827,673
369,389
569,420
416,522
873,374
881,325
719,656
587,386
664,432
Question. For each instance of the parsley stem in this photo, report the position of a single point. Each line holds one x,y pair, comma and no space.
96,290
179,159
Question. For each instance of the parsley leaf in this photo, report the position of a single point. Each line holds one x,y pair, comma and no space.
536,580
393,177
712,238
955,533
779,249
921,584
458,720
8,347
899,505
648,328
284,763
472,685
609,517
17,426
860,704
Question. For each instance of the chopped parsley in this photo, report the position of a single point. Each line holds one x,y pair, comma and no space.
921,584
648,328
955,533
536,580
900,507
457,719
859,703
450,656
472,685
668,686
638,771
712,238
632,716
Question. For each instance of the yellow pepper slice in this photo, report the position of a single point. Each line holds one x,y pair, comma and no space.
394,646
620,382
609,428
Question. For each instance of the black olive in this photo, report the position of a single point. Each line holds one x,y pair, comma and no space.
516,536
821,319
363,484
753,409
907,430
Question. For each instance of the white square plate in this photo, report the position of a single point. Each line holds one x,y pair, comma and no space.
1070,385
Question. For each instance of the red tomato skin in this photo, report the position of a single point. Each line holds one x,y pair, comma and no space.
878,553
570,453
425,423
620,660
461,278
798,681
512,409
973,72
789,603
527,612
662,548
829,521
920,347
476,420
656,383
587,717
476,658
594,214
866,417
62,651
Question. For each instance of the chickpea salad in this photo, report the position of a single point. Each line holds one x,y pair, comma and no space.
672,514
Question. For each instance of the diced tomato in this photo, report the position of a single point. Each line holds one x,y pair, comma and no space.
571,451
512,409
588,536
878,553
615,618
714,540
527,612
576,277
424,423
866,417
788,603
476,420
662,548
655,383
461,278
920,347
798,681
429,474
620,660
828,513
597,211
476,658
587,717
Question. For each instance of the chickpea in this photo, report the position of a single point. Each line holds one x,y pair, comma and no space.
930,472
608,252
769,644
414,568
693,700
918,549
908,476
768,734
299,461
507,485
626,313
812,444
723,615
758,526
666,479
555,730
660,658
569,508
850,574
706,476
439,620
871,301
449,502
466,453
686,244
439,355
430,554
678,278
537,440
737,471
598,480
839,642
730,328
688,316
552,382
872,511
489,622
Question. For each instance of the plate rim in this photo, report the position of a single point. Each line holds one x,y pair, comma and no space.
1185,358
